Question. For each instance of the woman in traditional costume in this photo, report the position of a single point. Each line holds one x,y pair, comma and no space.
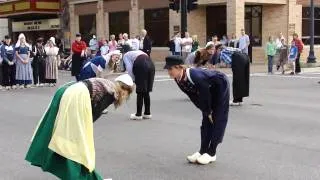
51,62
141,68
240,65
97,65
63,143
24,74
209,91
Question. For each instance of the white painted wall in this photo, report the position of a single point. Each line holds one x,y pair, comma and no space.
3,28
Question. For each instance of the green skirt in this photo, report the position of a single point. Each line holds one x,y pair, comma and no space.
40,155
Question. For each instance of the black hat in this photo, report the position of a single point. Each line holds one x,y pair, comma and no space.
173,61
78,35
40,40
7,37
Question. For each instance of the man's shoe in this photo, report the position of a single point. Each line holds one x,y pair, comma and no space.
134,117
206,159
193,158
147,116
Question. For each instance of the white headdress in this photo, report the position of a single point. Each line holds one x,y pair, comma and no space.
18,44
53,40
108,56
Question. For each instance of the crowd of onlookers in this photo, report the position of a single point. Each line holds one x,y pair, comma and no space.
24,65
277,51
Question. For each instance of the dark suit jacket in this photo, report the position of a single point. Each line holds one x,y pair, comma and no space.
147,45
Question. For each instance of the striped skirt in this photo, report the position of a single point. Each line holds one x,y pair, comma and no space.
52,67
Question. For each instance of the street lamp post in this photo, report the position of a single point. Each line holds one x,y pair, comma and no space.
311,57
183,17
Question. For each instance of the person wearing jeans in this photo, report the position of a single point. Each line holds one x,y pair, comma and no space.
299,44
271,50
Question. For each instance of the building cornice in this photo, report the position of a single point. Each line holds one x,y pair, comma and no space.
73,2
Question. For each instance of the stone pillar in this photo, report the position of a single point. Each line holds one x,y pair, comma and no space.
106,25
141,19
197,24
73,22
134,19
294,19
235,16
100,20
174,21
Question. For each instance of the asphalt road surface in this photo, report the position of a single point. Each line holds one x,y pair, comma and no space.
274,135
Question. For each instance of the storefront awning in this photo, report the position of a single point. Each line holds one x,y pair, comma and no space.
18,7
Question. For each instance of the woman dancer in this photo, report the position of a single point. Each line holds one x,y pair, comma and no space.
23,64
141,68
51,62
240,65
63,143
95,66
209,91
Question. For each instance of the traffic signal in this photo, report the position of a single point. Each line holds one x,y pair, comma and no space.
192,5
174,5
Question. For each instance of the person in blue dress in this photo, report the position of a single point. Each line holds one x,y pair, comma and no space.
240,65
24,73
209,92
97,65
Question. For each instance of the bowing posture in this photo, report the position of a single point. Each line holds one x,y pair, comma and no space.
240,65
209,91
141,68
97,65
63,143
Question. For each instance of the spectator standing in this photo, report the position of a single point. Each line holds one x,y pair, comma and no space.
78,57
299,44
51,62
195,43
271,50
177,43
145,42
8,64
104,50
233,42
121,40
293,55
39,63
1,71
126,39
23,64
135,43
113,43
214,41
244,42
94,45
186,44
283,55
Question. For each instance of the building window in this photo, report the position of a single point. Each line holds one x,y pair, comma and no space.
119,23
253,24
157,24
87,26
306,27
216,18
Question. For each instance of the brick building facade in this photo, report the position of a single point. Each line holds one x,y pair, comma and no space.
260,18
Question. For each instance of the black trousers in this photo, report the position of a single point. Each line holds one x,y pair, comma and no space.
38,67
144,72
8,74
212,133
298,68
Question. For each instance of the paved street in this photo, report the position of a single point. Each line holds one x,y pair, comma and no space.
275,135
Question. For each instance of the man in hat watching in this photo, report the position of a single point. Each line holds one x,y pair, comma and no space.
38,63
78,49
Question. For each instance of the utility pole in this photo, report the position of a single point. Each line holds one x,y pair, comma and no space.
184,16
311,57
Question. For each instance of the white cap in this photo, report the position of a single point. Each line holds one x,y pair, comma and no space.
94,36
126,79
53,40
